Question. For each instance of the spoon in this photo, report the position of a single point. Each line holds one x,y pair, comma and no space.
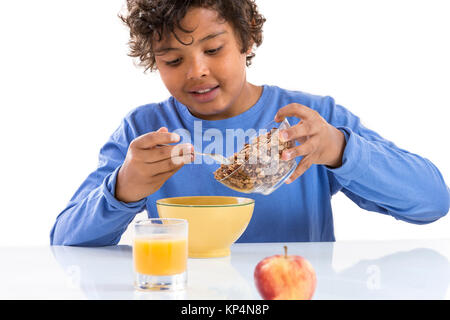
215,156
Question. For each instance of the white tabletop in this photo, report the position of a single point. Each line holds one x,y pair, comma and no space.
413,269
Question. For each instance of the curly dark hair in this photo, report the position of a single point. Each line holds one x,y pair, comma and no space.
150,20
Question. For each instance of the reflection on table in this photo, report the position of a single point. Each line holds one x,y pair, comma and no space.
401,270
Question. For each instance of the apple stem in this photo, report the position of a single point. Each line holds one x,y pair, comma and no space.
285,252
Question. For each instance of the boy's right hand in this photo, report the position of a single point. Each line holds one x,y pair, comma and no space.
147,166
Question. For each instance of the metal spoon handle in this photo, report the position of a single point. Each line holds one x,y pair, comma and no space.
217,157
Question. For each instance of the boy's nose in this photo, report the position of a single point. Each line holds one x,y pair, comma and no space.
197,69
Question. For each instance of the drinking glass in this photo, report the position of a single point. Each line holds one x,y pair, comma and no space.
160,251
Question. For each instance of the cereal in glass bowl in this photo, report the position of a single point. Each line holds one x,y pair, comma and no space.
258,167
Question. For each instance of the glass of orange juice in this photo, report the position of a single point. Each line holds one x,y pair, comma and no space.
160,251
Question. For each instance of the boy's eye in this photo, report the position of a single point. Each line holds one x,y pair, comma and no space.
213,51
173,62
177,61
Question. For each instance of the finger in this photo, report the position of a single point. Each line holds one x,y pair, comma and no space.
151,139
304,149
167,165
180,160
160,153
304,165
304,129
302,139
295,110
161,178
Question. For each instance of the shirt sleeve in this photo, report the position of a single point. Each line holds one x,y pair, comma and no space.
94,217
378,176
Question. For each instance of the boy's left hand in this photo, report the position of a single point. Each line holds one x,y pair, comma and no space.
320,142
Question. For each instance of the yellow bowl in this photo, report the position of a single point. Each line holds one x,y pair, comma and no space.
214,222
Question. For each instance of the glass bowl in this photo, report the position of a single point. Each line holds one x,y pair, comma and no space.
258,167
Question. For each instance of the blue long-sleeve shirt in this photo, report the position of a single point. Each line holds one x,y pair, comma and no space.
375,174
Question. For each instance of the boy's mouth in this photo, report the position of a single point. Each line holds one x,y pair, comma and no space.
204,94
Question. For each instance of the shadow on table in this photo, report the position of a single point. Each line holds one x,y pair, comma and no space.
419,274
100,272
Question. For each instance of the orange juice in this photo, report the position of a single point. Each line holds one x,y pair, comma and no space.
160,256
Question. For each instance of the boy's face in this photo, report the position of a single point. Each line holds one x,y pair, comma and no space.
209,75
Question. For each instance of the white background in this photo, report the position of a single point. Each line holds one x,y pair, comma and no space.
66,82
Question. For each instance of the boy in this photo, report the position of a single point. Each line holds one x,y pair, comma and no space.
201,49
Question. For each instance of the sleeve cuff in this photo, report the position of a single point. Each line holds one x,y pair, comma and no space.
109,187
355,160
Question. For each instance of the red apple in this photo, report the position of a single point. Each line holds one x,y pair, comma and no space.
283,277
